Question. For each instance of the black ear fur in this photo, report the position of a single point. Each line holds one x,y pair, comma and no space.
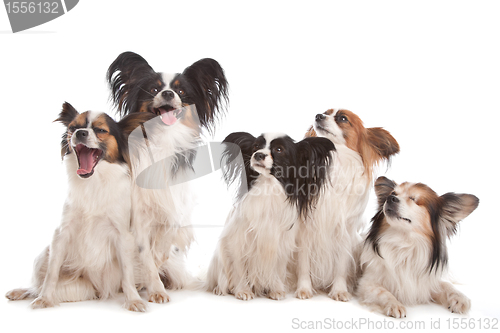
128,70
66,116
455,207
314,157
238,143
209,81
383,188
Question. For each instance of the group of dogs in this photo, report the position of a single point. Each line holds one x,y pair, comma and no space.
295,225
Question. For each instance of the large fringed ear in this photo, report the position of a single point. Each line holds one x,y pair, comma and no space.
66,116
313,165
455,207
235,161
124,74
383,188
209,81
383,142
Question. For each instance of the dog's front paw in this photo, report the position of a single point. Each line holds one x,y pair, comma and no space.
277,295
244,295
396,310
41,303
137,305
218,291
18,294
458,303
304,293
342,296
158,297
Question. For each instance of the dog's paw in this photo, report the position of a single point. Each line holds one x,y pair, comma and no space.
218,291
458,303
396,310
277,295
158,297
41,303
342,296
137,305
304,293
244,295
18,294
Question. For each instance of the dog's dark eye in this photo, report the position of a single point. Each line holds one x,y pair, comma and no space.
255,147
181,92
412,198
100,131
154,90
342,119
71,129
278,150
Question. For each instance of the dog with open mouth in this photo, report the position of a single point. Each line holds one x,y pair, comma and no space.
174,111
92,254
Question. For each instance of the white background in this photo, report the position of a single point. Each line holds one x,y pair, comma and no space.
427,71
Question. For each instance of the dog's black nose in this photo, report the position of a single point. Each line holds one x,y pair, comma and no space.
259,156
393,198
320,117
82,134
167,94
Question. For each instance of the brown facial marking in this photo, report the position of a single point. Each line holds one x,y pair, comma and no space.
424,197
145,106
79,122
112,152
329,112
177,83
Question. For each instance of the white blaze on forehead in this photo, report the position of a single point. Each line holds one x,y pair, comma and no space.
92,116
167,78
272,136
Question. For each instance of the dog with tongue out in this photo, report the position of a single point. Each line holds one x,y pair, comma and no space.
174,110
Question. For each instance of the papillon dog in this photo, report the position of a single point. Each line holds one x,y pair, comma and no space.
92,253
174,109
136,87
283,179
404,256
328,238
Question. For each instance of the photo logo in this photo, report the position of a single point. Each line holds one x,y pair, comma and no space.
28,14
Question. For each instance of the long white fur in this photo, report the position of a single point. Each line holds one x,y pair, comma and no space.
92,252
257,242
161,217
328,239
400,275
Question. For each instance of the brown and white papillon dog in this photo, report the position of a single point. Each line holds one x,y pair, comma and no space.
327,239
283,179
92,254
173,109
404,256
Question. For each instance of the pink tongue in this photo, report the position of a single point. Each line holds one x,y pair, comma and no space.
168,117
86,157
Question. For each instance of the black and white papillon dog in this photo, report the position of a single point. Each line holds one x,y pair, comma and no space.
136,87
284,179
173,110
